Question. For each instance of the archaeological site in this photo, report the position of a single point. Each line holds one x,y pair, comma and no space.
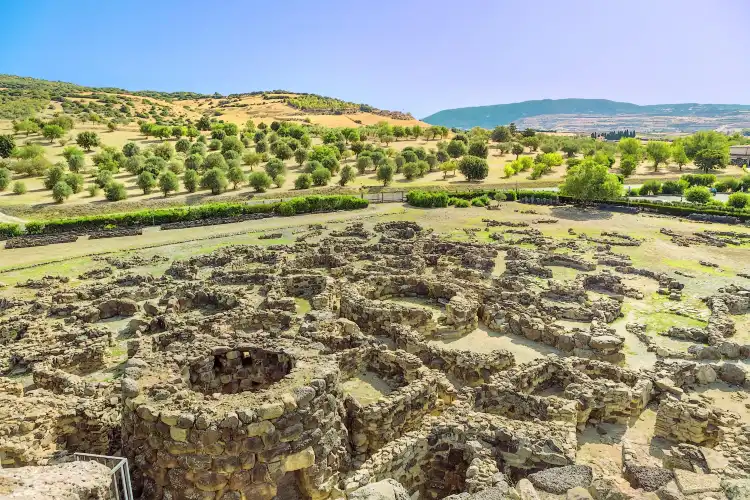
551,353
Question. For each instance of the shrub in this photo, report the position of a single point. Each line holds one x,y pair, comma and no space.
61,191
93,190
75,181
182,145
364,163
650,188
426,199
745,182
698,194
115,191
410,170
473,168
479,149
738,200
130,149
8,230
103,177
321,176
730,184
674,187
164,150
19,187
279,180
699,179
478,202
460,203
214,160
191,180
260,181
304,181
215,179
76,163
214,145
385,173
5,177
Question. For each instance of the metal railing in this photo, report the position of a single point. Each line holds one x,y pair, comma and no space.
120,486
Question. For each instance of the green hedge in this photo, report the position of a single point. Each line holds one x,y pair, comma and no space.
10,230
298,205
427,199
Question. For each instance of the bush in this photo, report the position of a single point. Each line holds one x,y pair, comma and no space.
115,191
5,177
279,180
473,168
76,163
75,181
674,187
216,180
650,188
426,199
214,145
191,180
146,181
478,202
19,187
181,146
321,176
103,177
698,194
459,203
260,181
61,192
214,160
168,182
304,181
699,179
738,200
8,230
93,190
730,184
130,149
275,167
348,174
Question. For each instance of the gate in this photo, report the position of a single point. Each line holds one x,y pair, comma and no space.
120,486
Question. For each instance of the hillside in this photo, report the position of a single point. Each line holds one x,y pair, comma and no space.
585,115
22,97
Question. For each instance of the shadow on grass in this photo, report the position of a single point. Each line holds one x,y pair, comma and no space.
580,213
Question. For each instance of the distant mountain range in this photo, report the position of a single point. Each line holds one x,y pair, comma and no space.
587,115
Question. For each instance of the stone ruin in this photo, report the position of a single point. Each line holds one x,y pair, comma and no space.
244,373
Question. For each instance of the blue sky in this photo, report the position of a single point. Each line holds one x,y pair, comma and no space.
406,55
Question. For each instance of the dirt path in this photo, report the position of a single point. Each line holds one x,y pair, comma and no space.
10,219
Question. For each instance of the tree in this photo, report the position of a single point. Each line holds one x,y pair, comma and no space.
473,168
54,175
203,123
505,147
77,163
501,134
28,126
192,133
385,173
87,140
532,142
479,149
75,181
283,151
348,174
178,132
678,154
182,145
570,148
275,167
7,143
357,147
215,180
190,180
364,163
590,180
304,181
61,192
130,149
111,126
252,159
168,182
214,160
230,129
456,148
300,155
236,176
410,170
698,194
5,177
630,146
658,152
260,181
448,166
52,132
516,149
232,143
321,176
146,181
115,191
628,164
708,149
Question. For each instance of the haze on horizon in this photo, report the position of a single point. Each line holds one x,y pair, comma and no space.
420,57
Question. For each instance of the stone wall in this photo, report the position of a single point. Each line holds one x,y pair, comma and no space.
692,420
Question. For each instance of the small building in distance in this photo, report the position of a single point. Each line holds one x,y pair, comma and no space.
739,155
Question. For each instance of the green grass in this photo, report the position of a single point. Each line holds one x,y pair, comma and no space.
692,265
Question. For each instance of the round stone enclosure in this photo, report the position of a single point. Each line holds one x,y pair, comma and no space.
241,369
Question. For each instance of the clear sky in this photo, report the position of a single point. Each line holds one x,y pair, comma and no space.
416,56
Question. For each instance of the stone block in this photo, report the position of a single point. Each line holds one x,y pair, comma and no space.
301,460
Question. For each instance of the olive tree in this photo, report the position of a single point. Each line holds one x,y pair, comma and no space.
473,168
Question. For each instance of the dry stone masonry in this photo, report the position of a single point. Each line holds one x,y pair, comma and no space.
354,364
